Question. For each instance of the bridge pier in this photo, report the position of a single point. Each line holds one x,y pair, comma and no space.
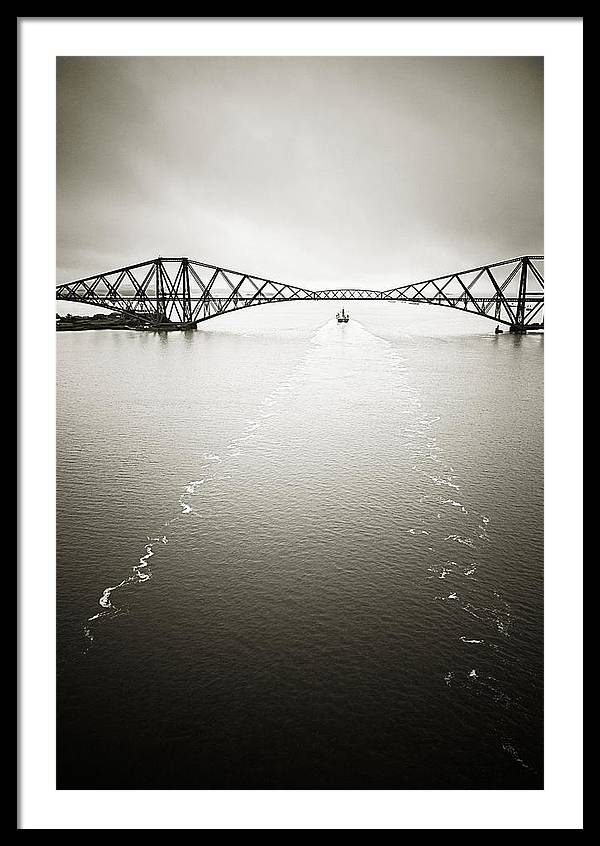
525,328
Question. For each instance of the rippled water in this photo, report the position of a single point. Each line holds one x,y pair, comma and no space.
293,553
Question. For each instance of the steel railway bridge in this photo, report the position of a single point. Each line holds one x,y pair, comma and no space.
179,293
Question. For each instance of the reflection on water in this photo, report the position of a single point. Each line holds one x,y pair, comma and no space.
296,553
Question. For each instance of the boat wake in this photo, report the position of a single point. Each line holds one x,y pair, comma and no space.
215,467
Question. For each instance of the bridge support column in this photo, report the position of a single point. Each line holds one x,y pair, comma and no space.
519,326
161,304
497,312
186,301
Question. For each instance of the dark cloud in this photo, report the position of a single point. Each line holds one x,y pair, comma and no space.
365,171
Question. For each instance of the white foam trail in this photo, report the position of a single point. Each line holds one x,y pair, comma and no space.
143,562
510,749
456,504
140,572
470,610
466,640
191,488
437,481
104,600
464,541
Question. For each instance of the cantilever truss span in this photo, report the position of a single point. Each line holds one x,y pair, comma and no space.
183,292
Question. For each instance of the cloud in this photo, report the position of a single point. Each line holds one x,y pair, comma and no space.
354,170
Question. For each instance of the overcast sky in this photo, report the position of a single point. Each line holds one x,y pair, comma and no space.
365,172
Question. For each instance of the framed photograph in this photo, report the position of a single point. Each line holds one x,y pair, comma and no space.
297,386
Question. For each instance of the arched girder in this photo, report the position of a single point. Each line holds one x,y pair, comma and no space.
184,292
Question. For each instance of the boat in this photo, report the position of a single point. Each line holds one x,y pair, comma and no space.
498,330
342,317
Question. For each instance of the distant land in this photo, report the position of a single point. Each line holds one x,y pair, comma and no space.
114,320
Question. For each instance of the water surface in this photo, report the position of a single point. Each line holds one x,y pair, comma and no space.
299,554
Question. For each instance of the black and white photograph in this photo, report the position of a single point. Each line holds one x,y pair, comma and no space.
298,384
